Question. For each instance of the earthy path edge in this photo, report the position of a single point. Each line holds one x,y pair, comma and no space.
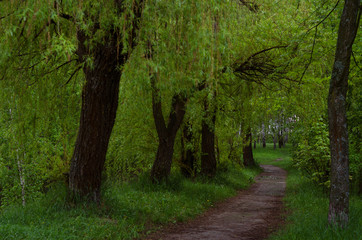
253,214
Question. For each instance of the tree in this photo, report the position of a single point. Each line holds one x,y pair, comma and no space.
166,133
248,158
208,159
338,132
188,158
99,99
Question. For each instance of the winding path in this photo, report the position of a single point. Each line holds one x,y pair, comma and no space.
252,214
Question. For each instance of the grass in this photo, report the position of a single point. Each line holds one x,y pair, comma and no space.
307,205
128,210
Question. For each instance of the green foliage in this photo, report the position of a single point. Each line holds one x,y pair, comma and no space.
312,154
307,204
307,208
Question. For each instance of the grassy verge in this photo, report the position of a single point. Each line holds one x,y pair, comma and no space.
128,210
308,205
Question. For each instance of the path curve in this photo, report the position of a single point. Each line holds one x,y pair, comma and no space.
251,215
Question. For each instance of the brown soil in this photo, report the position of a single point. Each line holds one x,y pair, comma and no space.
252,214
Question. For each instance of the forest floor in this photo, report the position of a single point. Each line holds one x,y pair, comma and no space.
252,214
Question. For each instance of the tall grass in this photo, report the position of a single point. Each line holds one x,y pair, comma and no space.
128,210
307,205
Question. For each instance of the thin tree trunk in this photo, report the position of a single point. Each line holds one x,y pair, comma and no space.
275,141
263,135
20,165
248,150
187,154
208,159
280,139
21,177
166,134
338,132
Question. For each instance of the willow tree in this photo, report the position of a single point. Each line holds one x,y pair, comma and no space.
180,49
98,37
339,193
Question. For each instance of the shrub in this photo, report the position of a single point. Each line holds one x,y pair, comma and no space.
312,155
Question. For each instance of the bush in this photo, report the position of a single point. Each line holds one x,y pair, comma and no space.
312,154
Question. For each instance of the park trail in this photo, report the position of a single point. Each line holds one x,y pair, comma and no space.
251,215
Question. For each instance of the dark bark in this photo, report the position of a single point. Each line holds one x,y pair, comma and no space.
166,134
339,192
208,159
99,106
263,135
98,113
280,140
275,141
187,154
248,150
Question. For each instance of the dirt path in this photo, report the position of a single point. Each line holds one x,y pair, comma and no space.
252,214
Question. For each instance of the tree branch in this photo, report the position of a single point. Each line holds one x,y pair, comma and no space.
252,6
311,56
324,17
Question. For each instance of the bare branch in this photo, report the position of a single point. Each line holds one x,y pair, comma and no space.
252,6
311,56
324,17
72,75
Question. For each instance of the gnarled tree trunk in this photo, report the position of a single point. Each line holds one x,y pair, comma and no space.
166,134
338,132
99,107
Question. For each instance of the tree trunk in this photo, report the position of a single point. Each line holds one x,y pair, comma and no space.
187,154
166,134
338,133
98,113
263,135
248,150
208,159
99,105
275,141
21,176
280,139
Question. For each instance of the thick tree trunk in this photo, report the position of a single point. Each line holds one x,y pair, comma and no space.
208,159
187,154
98,113
339,192
162,166
166,134
99,105
248,150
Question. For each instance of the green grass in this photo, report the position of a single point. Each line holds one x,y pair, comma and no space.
307,205
128,210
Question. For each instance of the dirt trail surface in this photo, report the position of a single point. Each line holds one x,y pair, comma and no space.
252,214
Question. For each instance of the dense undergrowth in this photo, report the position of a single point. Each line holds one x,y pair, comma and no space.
307,204
129,210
